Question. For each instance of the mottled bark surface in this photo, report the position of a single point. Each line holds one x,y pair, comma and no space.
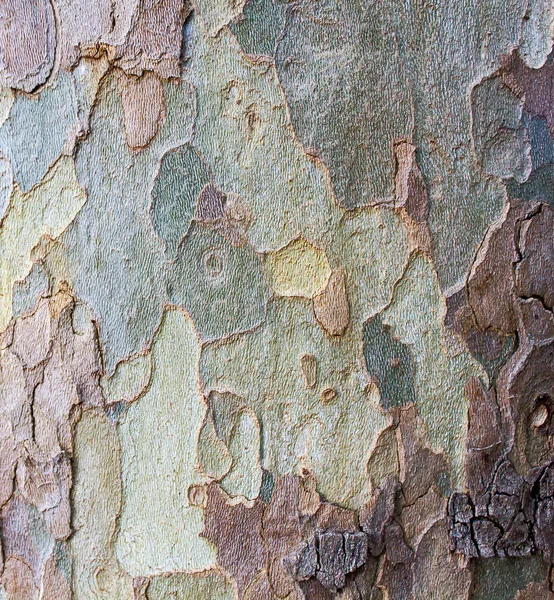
276,300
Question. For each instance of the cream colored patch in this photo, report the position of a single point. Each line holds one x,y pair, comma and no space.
130,379
245,476
96,504
213,455
88,75
216,14
159,529
6,102
298,269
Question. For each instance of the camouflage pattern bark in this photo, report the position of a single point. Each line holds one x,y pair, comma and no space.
276,300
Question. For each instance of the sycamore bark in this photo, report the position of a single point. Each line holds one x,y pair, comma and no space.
276,300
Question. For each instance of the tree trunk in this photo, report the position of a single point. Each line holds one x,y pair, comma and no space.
276,300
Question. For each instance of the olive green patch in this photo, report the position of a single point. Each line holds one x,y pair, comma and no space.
180,180
503,578
259,26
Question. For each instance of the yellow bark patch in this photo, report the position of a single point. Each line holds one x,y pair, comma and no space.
298,269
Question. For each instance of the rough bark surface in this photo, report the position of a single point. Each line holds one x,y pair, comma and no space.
276,300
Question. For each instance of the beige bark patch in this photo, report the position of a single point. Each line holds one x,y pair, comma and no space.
245,476
153,42
6,103
180,586
309,369
215,14
331,307
384,458
129,381
54,585
143,103
437,574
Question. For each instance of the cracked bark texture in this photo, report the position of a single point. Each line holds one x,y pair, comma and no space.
276,300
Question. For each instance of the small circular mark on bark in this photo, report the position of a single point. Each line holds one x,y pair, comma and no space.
328,395
197,495
212,261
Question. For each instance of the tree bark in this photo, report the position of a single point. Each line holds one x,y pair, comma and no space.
276,300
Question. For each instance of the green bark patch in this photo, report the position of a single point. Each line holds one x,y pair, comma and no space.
503,578
220,285
259,26
390,362
347,91
180,180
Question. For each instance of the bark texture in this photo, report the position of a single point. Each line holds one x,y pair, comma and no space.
276,300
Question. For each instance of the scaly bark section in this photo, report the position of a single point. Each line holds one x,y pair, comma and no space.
276,300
